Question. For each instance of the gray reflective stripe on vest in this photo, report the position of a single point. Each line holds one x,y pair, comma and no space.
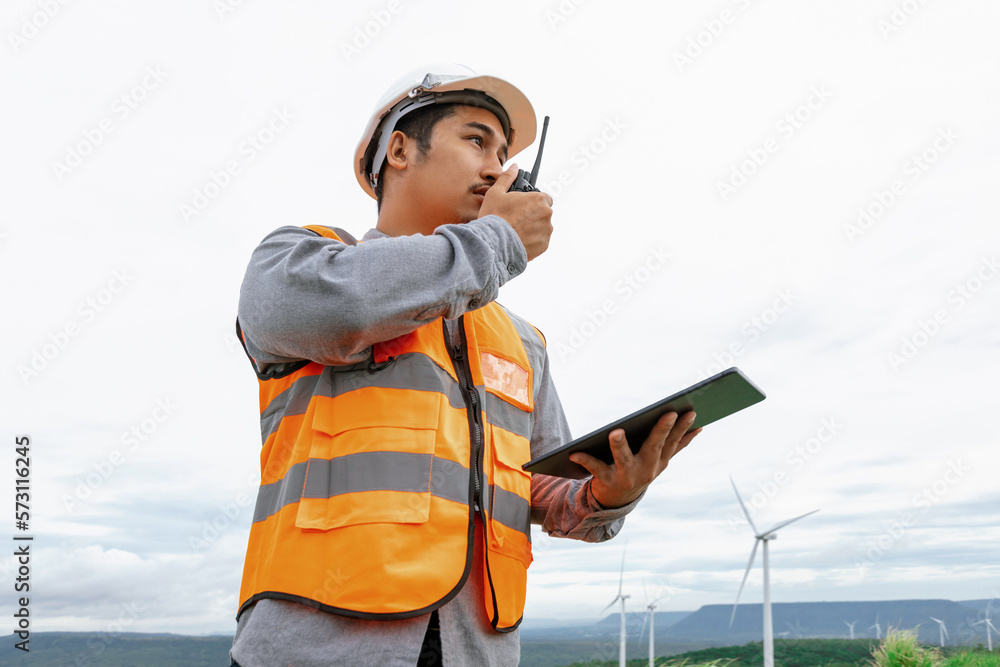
511,510
293,401
409,371
534,346
508,417
364,471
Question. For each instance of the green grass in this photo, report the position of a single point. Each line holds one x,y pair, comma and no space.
901,649
973,659
898,649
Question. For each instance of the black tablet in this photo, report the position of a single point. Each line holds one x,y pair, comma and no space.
713,398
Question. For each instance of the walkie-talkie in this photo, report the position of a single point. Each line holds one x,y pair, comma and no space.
525,182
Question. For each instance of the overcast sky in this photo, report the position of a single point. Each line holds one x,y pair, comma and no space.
803,190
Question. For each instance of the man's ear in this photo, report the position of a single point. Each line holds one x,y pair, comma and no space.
400,150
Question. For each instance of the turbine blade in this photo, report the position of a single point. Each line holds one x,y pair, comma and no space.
936,620
785,523
740,498
990,623
645,617
610,605
753,553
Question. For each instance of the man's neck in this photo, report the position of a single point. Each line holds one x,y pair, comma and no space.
395,220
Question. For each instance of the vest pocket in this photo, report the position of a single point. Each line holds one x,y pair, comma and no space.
510,491
370,461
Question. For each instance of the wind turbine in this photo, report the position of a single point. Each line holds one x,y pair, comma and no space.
851,626
762,537
989,625
878,628
943,630
651,618
621,579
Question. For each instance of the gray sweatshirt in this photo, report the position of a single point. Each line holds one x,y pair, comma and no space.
309,297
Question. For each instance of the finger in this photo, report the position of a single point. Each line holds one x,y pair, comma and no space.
688,437
657,438
681,425
507,178
591,464
677,430
619,449
671,451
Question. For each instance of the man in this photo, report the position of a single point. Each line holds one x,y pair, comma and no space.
399,401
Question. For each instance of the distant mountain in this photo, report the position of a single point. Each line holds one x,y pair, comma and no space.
797,620
607,627
126,649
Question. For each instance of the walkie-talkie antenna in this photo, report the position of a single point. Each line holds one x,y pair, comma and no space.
538,157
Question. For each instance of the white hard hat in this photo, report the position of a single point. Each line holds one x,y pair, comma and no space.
441,84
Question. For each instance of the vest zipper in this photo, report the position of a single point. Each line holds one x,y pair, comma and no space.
471,395
476,431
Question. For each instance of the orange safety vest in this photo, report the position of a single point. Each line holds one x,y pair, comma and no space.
371,474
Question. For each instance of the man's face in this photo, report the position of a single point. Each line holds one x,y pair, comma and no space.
466,156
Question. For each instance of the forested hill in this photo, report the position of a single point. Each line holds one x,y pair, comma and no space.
103,649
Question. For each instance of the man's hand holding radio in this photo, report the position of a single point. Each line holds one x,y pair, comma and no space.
529,213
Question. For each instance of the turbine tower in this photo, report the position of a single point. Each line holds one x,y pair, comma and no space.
761,538
989,626
878,628
621,579
650,617
851,626
943,630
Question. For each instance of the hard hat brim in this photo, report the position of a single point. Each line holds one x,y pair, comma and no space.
520,113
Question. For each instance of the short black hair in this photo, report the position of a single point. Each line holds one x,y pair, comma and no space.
419,126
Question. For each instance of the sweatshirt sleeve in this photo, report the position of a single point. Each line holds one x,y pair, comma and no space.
309,297
566,507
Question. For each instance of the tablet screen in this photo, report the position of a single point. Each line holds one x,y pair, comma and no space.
713,398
